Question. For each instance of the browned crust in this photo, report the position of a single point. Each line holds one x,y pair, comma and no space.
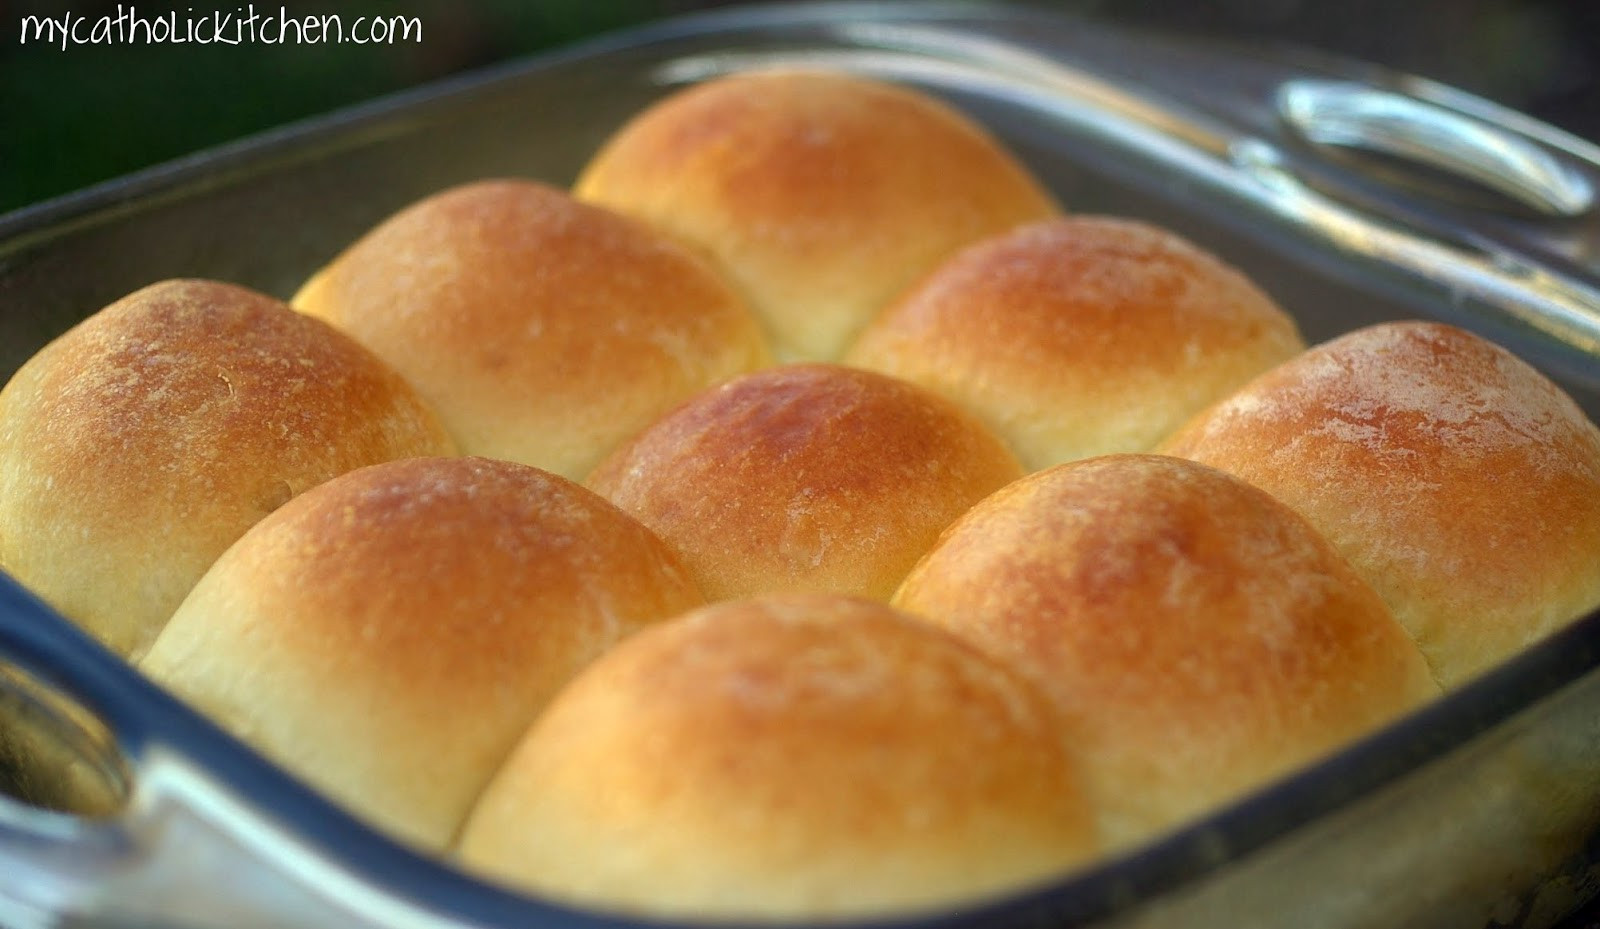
797,757
389,634
140,444
805,478
544,330
823,195
1080,336
1460,482
1200,636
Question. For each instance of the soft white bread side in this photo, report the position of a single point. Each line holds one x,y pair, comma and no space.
1080,336
1460,482
138,445
823,195
542,329
792,758
390,634
811,477
1199,636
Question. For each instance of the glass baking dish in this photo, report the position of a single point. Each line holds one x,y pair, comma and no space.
1351,194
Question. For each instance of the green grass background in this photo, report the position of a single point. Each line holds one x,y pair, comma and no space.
69,118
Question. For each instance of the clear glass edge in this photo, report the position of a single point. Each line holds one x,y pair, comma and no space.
138,708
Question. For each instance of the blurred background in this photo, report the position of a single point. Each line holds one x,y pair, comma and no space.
84,114
70,118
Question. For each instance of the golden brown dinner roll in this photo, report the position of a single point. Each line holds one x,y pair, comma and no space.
142,442
1199,636
1461,483
823,195
1080,336
795,757
544,330
390,634
807,477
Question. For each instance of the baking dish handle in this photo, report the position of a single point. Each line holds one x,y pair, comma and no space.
160,862
119,806
1490,279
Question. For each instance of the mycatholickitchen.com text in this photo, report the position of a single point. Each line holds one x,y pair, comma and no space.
244,25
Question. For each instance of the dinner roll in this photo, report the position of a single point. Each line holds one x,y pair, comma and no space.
797,757
1199,636
1081,336
138,445
1461,483
544,330
823,195
389,635
808,477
